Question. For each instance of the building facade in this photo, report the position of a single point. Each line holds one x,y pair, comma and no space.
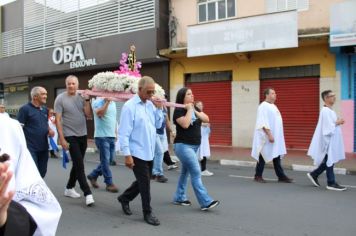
229,51
42,42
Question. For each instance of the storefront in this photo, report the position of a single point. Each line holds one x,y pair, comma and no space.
52,41
298,67
343,45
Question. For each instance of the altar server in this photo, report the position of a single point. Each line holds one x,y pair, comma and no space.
30,189
327,146
268,140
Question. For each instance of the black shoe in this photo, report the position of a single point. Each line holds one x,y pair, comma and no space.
125,207
211,205
183,203
161,179
314,180
336,187
285,179
113,163
151,219
92,181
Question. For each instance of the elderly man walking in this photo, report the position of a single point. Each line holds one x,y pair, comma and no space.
34,118
268,140
137,135
71,112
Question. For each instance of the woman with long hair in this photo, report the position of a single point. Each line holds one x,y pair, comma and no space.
188,122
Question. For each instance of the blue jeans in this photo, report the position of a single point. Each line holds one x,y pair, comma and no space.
187,155
158,158
106,146
330,176
41,160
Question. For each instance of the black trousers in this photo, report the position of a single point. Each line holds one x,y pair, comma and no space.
142,171
203,164
167,158
77,148
276,164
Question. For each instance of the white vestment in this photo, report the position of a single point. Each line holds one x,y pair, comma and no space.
30,189
53,127
204,149
327,139
268,117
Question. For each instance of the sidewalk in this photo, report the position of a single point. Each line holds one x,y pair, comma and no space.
294,160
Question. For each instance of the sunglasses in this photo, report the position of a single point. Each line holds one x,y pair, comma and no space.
150,92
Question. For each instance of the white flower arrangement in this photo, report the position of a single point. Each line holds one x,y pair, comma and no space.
114,82
123,80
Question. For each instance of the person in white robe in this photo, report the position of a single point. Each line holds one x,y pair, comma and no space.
204,149
268,141
52,126
327,146
30,189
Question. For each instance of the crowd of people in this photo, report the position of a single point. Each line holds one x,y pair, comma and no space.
142,138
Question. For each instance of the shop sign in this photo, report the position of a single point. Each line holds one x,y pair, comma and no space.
72,55
263,32
343,24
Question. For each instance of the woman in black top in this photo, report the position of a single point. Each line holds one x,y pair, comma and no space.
188,122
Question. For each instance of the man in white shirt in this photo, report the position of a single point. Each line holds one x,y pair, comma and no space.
137,135
268,140
327,146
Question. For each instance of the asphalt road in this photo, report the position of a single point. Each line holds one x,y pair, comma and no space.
247,208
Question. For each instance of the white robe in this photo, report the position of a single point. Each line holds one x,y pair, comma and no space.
53,127
268,117
204,149
30,189
327,139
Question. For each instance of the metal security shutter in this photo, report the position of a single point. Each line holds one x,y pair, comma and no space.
298,102
216,97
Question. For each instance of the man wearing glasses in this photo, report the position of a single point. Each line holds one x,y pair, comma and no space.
327,146
140,117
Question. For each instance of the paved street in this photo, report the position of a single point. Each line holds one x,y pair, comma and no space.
247,208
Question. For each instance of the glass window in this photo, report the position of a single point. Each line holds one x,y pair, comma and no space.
285,5
202,13
221,9
231,8
211,10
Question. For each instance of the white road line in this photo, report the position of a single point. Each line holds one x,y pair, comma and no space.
250,177
237,163
295,167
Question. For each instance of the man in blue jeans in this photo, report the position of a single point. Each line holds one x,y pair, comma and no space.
157,170
105,135
33,116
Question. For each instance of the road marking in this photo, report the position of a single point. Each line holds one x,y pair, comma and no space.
249,177
339,171
237,163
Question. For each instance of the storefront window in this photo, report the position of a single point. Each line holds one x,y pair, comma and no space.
211,10
16,95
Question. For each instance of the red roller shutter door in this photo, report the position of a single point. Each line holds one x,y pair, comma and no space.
298,102
216,97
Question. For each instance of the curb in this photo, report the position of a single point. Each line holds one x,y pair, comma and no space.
294,167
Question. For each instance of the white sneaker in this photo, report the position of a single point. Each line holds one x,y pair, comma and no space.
89,200
171,167
71,193
206,173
